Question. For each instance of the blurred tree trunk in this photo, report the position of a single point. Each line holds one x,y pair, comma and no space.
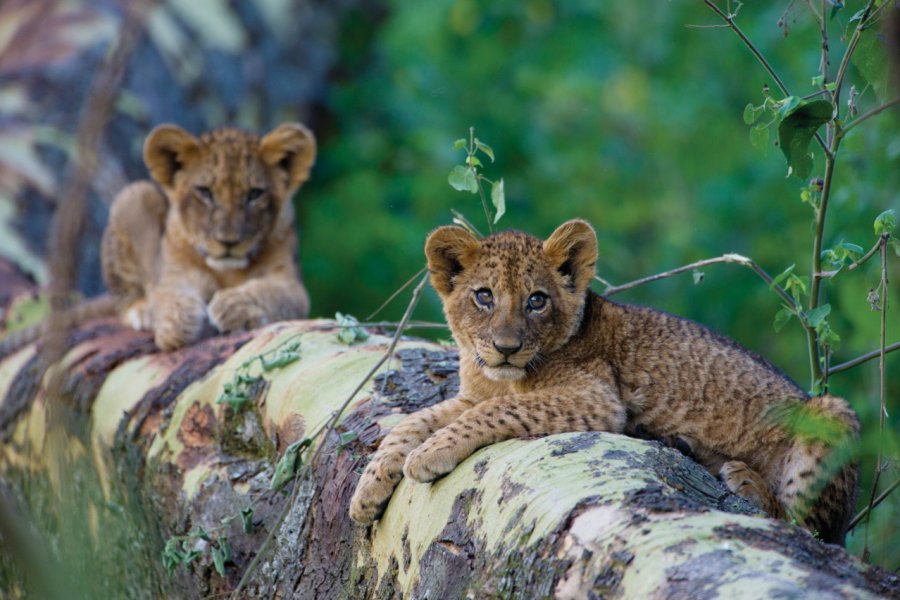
135,450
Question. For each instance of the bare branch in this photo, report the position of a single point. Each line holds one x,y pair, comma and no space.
864,358
871,113
725,258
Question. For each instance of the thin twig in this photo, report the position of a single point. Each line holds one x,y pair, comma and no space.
845,61
882,391
325,431
410,325
815,368
864,358
396,293
725,258
865,511
869,114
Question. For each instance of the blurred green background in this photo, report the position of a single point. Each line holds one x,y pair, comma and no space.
619,113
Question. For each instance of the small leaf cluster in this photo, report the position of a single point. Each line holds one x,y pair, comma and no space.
350,330
797,120
466,178
239,391
289,464
182,550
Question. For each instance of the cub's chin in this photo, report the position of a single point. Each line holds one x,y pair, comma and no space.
227,263
504,373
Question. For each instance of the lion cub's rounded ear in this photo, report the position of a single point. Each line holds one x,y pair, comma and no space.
291,147
166,151
448,249
572,250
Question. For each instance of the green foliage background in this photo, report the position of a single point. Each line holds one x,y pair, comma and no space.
621,114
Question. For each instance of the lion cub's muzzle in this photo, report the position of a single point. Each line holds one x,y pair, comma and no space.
506,360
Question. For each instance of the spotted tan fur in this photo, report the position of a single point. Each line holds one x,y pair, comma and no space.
211,240
574,361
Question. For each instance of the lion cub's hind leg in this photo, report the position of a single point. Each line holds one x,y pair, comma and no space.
816,488
130,250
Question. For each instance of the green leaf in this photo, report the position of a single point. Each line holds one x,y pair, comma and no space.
462,179
459,144
749,114
350,332
852,248
281,359
870,59
885,222
473,161
346,437
218,561
498,199
485,148
781,277
289,464
796,130
782,317
817,80
247,519
816,316
759,137
787,106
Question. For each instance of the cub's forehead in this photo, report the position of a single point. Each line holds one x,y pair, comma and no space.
513,258
230,157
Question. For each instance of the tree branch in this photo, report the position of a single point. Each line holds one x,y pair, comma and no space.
871,113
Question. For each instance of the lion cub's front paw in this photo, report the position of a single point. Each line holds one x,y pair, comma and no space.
429,462
234,310
139,316
744,481
372,494
180,320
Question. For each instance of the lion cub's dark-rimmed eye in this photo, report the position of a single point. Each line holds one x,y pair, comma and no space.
204,194
484,297
537,301
254,194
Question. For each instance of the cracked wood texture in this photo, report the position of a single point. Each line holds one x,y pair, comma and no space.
135,450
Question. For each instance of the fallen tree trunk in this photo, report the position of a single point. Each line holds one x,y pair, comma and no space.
135,468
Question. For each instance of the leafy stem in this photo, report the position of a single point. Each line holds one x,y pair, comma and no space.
466,178
851,47
729,20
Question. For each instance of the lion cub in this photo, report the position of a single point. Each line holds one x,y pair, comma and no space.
211,239
540,354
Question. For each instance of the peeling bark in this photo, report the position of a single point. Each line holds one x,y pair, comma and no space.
136,450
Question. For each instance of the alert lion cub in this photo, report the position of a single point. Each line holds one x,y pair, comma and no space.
210,241
540,354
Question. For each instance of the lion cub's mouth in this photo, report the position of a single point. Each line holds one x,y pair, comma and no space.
504,372
227,263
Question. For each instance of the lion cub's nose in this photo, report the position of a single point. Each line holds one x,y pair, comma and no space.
507,347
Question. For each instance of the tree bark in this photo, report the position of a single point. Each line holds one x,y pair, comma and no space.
134,449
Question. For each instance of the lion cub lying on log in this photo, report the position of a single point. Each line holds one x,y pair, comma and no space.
210,241
541,354
213,239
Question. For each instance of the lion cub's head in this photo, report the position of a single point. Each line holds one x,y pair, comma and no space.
511,298
228,187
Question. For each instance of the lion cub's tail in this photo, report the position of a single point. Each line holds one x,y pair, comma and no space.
95,308
820,476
